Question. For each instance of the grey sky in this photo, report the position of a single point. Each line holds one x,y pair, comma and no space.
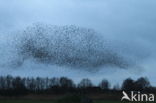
129,25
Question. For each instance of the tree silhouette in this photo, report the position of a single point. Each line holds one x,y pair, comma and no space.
142,83
85,83
66,83
128,85
104,84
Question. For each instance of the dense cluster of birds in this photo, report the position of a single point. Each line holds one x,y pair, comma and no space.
67,45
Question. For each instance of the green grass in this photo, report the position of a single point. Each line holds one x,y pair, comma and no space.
120,102
26,101
46,101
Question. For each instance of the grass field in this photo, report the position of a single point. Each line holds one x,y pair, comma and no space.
44,101
26,101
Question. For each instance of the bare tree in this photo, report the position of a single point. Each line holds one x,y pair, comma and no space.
104,84
66,83
84,83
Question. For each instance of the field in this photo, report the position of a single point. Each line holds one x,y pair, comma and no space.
25,101
44,101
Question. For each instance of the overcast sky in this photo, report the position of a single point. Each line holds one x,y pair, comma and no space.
129,26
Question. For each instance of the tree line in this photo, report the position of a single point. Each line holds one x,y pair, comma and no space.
17,86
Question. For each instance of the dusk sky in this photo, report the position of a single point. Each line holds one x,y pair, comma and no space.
125,27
